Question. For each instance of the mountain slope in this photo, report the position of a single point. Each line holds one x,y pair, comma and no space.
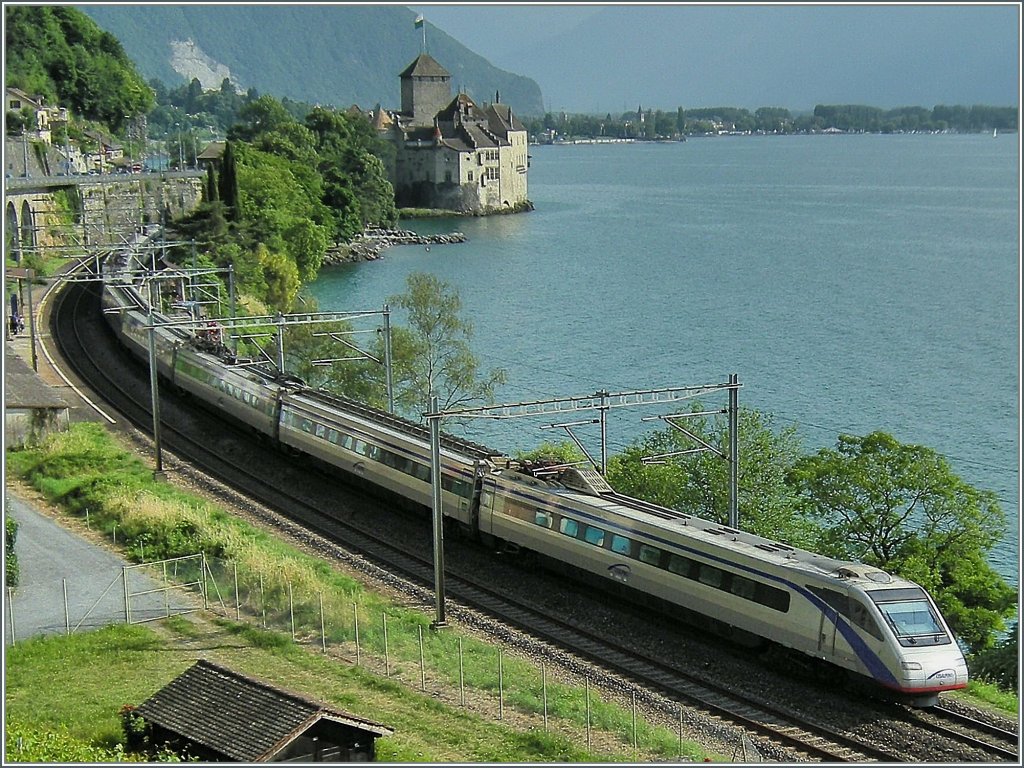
338,55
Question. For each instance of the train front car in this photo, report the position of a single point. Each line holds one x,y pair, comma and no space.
921,652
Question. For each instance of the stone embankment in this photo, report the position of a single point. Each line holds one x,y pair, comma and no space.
371,243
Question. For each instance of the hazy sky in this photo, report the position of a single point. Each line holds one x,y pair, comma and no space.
609,56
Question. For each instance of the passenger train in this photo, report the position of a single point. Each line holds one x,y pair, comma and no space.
878,627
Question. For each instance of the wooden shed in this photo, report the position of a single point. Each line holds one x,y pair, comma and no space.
217,714
31,408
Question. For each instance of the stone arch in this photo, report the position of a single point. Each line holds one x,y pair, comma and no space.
12,238
27,238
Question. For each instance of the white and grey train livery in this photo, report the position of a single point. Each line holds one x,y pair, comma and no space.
876,626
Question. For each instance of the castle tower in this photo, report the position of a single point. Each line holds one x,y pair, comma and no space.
426,90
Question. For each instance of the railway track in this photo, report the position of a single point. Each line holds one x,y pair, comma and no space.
810,740
999,742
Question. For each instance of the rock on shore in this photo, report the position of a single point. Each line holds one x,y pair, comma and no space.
371,243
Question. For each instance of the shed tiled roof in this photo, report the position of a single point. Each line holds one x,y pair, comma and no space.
240,717
24,389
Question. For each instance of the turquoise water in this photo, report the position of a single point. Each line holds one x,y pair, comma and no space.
853,283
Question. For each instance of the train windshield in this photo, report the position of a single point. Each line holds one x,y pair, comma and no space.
910,616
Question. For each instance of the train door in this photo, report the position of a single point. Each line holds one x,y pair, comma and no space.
485,509
836,606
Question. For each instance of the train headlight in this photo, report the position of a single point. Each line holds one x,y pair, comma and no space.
911,665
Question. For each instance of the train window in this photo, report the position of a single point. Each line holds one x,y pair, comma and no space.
771,597
910,618
593,535
648,554
679,565
347,441
859,615
621,545
542,518
743,587
306,425
332,436
321,430
458,487
710,575
422,471
568,527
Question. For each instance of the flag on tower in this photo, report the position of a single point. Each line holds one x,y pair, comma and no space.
419,22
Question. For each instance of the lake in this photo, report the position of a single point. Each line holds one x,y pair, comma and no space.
853,282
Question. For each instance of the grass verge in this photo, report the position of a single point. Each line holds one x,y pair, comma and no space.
79,683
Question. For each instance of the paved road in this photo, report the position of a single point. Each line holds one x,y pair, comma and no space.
50,557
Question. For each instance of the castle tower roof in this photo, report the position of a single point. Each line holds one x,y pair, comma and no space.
425,66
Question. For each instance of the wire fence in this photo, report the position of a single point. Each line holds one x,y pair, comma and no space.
393,642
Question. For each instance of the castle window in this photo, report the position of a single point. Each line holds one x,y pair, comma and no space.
470,176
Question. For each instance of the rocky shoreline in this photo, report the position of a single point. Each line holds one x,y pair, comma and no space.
371,243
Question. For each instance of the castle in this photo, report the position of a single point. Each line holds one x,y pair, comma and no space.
451,153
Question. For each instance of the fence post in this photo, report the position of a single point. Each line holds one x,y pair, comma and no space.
680,733
206,587
355,623
423,675
587,681
634,726
263,602
167,593
238,608
87,517
462,677
127,606
114,533
387,665
323,634
10,608
67,619
544,692
501,689
291,610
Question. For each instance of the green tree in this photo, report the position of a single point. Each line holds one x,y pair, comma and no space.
432,354
228,182
281,277
698,483
61,54
1000,664
565,452
902,508
358,379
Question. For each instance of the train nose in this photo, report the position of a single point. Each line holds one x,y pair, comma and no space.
950,676
918,675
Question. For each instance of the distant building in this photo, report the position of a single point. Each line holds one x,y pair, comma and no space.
32,410
211,154
450,152
45,117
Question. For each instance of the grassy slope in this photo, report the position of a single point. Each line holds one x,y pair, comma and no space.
82,681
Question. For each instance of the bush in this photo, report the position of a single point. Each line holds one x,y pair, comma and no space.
999,665
10,556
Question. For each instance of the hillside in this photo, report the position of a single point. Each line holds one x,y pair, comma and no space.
334,55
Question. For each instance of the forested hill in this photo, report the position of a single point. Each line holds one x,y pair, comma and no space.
334,55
